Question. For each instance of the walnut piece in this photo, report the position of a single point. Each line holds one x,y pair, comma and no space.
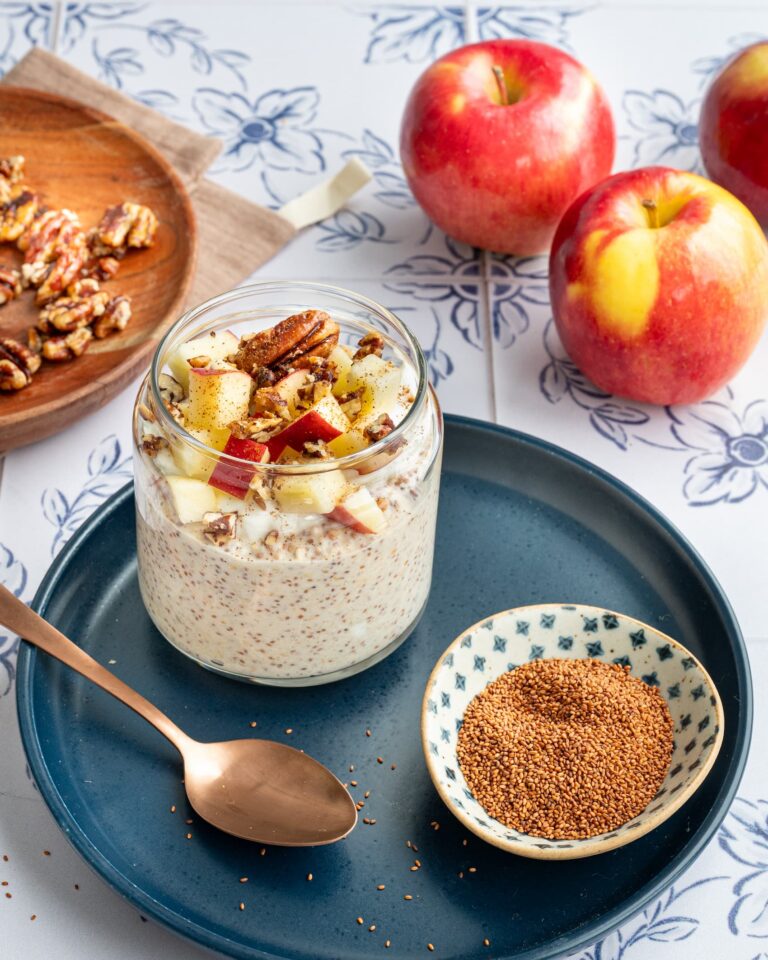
352,403
72,312
10,283
152,445
267,400
124,225
256,428
115,317
63,349
219,527
17,364
317,450
311,333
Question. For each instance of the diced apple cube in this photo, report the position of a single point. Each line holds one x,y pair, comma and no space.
310,493
191,498
217,397
350,442
381,381
234,478
359,511
343,363
216,345
323,421
288,388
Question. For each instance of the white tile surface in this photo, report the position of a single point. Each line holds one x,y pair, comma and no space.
342,75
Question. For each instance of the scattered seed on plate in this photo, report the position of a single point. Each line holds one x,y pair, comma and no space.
393,767
189,836
435,825
486,942
414,868
263,851
353,783
473,869
464,842
77,886
33,917
461,874
189,821
5,858
379,759
417,863
351,767
380,886
289,730
173,808
371,928
253,723
360,920
241,906
407,897
243,879
367,794
310,877
8,896
430,947
387,943
367,733
46,853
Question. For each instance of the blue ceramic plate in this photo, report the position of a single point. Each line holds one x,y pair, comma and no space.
520,522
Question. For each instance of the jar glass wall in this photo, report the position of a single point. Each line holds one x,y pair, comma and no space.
285,573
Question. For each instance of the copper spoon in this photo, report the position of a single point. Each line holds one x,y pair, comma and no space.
255,789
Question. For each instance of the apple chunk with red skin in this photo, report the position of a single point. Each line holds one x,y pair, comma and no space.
359,511
325,420
659,285
235,478
499,137
733,128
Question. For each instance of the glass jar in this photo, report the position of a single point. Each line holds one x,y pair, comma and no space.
285,596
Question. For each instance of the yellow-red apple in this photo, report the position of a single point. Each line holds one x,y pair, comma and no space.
499,137
659,285
733,128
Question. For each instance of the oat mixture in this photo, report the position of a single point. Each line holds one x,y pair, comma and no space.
566,749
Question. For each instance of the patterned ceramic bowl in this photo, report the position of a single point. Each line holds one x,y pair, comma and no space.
505,640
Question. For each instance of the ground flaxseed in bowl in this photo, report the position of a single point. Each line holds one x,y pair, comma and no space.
565,749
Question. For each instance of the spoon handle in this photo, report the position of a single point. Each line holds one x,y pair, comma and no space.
17,616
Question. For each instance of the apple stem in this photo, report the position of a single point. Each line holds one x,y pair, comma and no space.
501,83
653,212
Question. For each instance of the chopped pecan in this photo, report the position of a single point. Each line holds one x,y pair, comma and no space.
114,318
11,171
17,213
311,333
171,391
102,268
10,283
264,377
84,287
50,233
124,225
371,343
62,349
320,368
352,403
317,449
152,445
256,428
17,364
199,362
382,503
267,400
71,313
272,539
219,527
381,427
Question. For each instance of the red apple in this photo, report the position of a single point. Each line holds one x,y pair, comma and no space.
733,128
499,137
323,421
360,511
659,285
234,478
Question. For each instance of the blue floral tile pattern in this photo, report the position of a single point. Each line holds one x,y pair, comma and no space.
482,654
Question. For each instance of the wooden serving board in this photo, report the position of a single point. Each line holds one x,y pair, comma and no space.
79,158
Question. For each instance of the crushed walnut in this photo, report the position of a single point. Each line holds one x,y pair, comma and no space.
317,450
371,343
152,445
219,527
381,427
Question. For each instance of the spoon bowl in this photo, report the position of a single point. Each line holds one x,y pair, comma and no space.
267,792
258,790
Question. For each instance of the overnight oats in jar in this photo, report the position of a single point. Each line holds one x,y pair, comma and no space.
287,465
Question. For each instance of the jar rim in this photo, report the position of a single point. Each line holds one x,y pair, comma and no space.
265,286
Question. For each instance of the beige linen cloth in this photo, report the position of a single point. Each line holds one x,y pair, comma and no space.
235,236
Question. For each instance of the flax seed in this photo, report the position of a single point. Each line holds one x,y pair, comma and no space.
252,723
241,906
430,947
360,920
243,879
407,897
387,943
46,853
310,877
381,887
367,733
289,730
33,917
379,759
473,869
367,794
353,783
486,942
189,836
565,749
173,808
371,928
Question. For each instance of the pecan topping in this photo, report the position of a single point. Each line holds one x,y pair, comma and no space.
381,427
219,527
152,445
10,283
12,169
17,364
256,428
267,400
34,340
17,213
352,403
102,268
124,225
62,349
64,270
71,313
199,362
50,233
371,343
114,318
85,287
311,333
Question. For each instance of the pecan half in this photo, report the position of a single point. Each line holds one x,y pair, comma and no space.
70,313
102,268
64,270
17,213
311,333
63,349
371,343
219,527
114,318
124,225
10,283
48,234
17,364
